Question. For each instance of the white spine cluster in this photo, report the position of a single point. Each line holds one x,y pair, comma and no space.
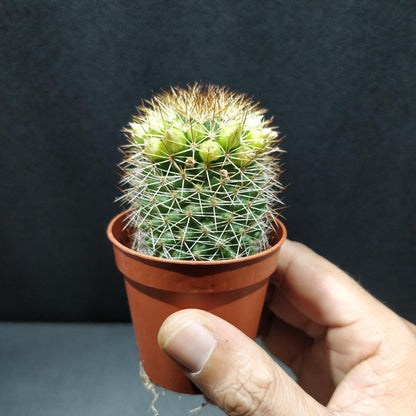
201,175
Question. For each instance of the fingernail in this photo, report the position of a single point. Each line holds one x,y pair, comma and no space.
191,345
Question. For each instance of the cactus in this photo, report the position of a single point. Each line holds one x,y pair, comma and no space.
200,175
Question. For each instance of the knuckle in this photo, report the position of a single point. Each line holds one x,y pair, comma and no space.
249,394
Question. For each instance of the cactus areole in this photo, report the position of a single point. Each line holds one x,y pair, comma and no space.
200,175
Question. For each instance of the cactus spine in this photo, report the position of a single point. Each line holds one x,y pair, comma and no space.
200,175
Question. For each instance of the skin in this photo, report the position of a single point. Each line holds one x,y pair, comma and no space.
352,356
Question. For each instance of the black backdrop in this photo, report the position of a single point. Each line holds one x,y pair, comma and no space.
339,77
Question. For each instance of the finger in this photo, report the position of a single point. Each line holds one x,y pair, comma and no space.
286,343
305,356
411,326
281,338
319,290
231,369
281,306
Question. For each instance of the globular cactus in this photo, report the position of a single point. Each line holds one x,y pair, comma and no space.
201,175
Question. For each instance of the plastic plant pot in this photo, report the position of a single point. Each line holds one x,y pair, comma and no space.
232,289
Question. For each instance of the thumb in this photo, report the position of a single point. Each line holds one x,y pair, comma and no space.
231,369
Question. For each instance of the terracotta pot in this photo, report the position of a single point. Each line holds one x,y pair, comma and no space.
232,289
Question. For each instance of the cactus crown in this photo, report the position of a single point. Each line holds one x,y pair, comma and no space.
200,175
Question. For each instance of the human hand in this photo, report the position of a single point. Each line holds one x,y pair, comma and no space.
350,353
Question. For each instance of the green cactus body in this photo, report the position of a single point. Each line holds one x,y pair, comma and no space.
201,175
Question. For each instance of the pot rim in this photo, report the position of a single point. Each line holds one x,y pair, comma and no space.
195,263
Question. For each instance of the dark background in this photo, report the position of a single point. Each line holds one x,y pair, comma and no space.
339,77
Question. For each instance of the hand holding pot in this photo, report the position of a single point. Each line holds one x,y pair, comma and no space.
350,353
